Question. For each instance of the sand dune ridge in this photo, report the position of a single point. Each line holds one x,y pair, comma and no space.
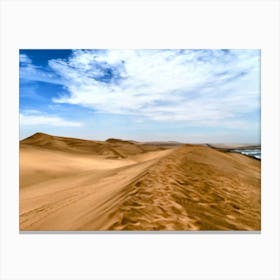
123,185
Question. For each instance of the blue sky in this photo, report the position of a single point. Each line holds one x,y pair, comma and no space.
183,95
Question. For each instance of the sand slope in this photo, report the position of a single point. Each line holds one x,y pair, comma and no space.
73,184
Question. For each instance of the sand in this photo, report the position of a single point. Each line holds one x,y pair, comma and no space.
75,184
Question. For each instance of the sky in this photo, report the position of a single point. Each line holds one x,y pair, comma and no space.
186,95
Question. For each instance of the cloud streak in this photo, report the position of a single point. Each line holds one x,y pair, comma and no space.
34,118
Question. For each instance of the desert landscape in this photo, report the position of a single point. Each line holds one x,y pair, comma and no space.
139,140
85,185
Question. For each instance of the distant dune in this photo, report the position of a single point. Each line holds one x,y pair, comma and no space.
114,148
75,184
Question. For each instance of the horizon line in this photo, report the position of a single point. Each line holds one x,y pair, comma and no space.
143,141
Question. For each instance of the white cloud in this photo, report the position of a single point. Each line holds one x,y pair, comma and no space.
29,71
34,118
202,87
23,58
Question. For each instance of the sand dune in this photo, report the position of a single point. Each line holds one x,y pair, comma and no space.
114,148
75,184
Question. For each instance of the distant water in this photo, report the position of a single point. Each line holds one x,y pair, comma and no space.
253,153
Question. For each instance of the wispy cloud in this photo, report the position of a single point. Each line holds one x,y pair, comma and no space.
24,59
34,118
31,72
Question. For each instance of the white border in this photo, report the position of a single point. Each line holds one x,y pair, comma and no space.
135,24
